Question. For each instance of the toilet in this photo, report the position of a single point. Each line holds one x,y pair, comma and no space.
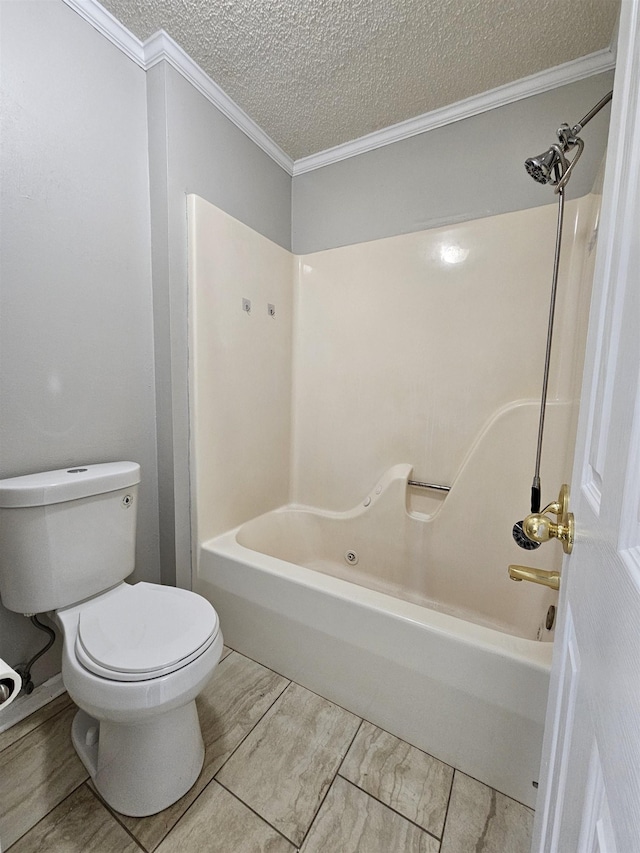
135,656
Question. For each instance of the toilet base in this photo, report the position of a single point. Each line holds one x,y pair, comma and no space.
141,768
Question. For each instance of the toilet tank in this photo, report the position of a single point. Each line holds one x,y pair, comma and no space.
66,535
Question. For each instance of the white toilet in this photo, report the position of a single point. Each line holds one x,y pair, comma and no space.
134,656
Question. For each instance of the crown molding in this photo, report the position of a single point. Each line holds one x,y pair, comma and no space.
161,46
535,84
103,21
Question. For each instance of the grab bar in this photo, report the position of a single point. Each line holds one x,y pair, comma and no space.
420,485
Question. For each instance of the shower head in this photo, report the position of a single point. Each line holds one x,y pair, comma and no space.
541,167
552,167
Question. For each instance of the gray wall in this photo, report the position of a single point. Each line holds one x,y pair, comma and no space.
466,170
92,200
76,337
193,148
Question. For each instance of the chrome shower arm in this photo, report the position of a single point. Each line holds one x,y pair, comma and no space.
568,136
575,130
552,167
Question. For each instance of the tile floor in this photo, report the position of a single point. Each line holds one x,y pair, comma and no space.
284,770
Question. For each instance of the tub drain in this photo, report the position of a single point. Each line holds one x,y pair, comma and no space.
351,557
551,618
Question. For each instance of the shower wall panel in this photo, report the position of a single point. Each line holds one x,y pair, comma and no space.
401,350
405,347
240,369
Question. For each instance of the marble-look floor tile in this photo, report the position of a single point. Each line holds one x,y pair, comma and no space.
401,776
350,821
36,773
34,720
485,821
285,766
235,699
219,823
80,824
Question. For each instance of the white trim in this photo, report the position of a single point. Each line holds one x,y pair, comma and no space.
161,46
552,78
110,28
29,703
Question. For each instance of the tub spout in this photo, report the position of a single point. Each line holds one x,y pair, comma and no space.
526,573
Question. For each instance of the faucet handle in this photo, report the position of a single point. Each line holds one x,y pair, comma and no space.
540,528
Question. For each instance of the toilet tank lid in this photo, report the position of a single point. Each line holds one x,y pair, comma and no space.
67,484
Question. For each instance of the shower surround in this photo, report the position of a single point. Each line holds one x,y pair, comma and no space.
412,357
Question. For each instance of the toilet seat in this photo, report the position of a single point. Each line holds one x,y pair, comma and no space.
145,631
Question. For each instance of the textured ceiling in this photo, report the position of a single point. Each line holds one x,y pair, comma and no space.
317,73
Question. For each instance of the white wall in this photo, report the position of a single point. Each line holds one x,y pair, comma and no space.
76,338
241,370
405,347
416,349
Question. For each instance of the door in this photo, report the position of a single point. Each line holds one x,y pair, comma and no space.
589,797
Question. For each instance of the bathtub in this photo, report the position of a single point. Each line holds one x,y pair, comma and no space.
318,597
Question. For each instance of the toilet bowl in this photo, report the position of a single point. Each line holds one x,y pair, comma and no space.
134,656
134,659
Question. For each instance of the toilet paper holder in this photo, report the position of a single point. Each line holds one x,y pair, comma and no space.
6,690
10,685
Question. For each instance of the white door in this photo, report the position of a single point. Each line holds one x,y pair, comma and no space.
589,797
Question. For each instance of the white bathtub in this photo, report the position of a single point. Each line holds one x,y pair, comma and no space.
463,691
